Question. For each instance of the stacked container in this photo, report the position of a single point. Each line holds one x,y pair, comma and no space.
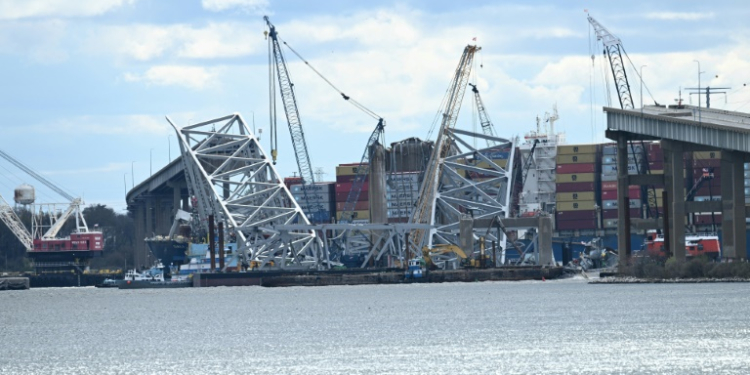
345,176
320,192
706,164
577,181
609,183
655,160
402,191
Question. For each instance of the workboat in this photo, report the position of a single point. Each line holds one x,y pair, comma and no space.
153,278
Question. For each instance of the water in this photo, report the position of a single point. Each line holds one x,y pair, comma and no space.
553,327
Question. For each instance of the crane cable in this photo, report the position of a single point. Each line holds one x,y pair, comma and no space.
346,97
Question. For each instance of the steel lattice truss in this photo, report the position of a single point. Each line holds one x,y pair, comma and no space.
465,189
232,178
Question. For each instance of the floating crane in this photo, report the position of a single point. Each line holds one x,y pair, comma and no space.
423,212
46,249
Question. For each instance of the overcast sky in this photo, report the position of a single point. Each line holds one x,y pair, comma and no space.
86,84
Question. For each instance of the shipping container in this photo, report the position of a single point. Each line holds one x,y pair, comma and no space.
576,168
612,213
358,215
575,215
349,170
706,155
401,195
575,224
350,178
633,193
707,163
609,223
654,165
706,219
399,212
611,169
576,206
321,198
318,187
611,148
347,186
609,177
502,163
570,197
573,187
343,196
576,158
612,204
358,206
410,177
576,149
400,204
707,198
319,216
575,177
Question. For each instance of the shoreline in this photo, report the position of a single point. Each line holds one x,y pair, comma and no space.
635,280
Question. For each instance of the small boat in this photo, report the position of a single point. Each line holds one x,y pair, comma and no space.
108,283
695,245
153,278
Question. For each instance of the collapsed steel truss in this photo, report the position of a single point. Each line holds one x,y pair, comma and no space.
482,192
232,178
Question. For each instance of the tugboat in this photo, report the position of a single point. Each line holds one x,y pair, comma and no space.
153,278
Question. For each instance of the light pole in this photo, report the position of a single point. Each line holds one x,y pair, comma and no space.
150,162
125,184
169,146
254,132
132,175
699,89
641,74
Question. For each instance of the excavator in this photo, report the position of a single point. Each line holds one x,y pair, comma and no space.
437,256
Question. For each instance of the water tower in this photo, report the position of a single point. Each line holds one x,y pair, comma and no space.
24,194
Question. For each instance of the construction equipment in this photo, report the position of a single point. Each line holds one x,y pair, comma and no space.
425,205
347,214
438,255
286,90
50,253
484,119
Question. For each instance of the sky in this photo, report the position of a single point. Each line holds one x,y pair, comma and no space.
86,84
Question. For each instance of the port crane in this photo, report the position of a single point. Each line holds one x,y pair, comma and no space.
423,212
278,66
14,223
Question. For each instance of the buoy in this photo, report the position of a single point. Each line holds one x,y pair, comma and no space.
543,279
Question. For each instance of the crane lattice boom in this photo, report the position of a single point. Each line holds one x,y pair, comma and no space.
362,171
425,205
14,223
484,119
614,50
286,90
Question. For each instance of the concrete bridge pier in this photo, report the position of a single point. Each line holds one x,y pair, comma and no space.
674,181
623,228
733,225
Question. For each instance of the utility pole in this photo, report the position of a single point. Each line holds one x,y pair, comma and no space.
708,91
641,75
699,89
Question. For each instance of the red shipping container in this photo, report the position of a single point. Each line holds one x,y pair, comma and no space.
609,185
705,163
344,187
576,168
343,196
655,165
609,194
358,206
705,219
576,215
575,224
612,214
575,187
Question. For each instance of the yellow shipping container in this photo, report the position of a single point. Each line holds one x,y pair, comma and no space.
576,149
575,197
575,177
348,170
576,206
358,215
502,163
707,155
576,158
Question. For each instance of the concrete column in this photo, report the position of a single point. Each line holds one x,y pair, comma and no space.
674,171
139,246
176,190
623,228
733,206
545,241
378,202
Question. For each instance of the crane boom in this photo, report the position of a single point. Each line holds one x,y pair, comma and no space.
35,175
362,171
14,223
286,90
424,208
614,50
484,119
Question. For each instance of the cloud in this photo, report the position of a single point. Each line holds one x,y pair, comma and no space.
193,77
18,9
679,16
149,42
249,6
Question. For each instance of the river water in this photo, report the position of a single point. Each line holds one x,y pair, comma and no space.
552,327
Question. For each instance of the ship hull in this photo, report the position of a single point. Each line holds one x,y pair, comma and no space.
169,251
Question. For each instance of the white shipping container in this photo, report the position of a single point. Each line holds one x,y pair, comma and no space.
612,203
321,187
320,198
